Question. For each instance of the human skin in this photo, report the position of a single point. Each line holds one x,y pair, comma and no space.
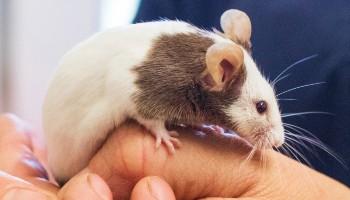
23,176
204,166
209,166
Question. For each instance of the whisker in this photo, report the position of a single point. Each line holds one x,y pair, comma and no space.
291,152
312,141
293,65
251,154
315,141
249,157
301,145
305,113
300,155
262,160
285,99
300,142
299,87
285,151
322,146
301,130
288,152
274,82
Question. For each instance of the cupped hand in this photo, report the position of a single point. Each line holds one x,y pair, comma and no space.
207,166
23,174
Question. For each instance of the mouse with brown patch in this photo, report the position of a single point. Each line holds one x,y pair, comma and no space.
157,73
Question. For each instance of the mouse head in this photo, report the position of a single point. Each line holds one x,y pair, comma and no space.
249,100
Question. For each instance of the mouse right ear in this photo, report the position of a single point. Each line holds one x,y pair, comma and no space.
224,62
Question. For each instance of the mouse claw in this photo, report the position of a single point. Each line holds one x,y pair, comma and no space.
218,129
161,134
168,139
170,146
176,142
173,133
158,142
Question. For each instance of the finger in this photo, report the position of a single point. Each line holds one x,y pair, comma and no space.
85,186
221,198
13,188
24,193
152,188
207,165
16,149
6,179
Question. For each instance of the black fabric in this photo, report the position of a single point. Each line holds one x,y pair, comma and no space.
284,32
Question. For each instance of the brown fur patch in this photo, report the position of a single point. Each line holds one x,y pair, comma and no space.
169,85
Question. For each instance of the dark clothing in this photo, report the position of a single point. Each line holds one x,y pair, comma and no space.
284,32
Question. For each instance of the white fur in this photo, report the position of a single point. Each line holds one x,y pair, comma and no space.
243,111
250,122
91,92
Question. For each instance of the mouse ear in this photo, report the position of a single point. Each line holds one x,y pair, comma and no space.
236,26
224,61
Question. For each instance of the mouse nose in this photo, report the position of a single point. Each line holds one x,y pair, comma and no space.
278,143
277,139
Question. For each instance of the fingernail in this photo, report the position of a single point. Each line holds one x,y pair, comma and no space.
16,194
99,186
155,189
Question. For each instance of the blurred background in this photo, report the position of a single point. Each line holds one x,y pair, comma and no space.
33,37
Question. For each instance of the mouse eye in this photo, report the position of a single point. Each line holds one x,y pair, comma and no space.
261,107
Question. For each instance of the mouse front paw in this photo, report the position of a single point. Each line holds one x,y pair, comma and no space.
168,138
162,135
208,129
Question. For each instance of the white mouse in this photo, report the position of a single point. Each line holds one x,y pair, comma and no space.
156,73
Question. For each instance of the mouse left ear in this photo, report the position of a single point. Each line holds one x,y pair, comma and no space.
224,62
236,26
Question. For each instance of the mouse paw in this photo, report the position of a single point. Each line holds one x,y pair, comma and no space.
209,129
162,135
168,138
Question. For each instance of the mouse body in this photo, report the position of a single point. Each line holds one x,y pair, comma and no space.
156,73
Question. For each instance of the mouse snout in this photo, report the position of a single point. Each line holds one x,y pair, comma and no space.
277,142
276,137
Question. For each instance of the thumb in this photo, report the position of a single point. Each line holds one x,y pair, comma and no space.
85,186
152,188
219,198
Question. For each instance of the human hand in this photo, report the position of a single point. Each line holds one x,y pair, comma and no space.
23,176
204,166
207,166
